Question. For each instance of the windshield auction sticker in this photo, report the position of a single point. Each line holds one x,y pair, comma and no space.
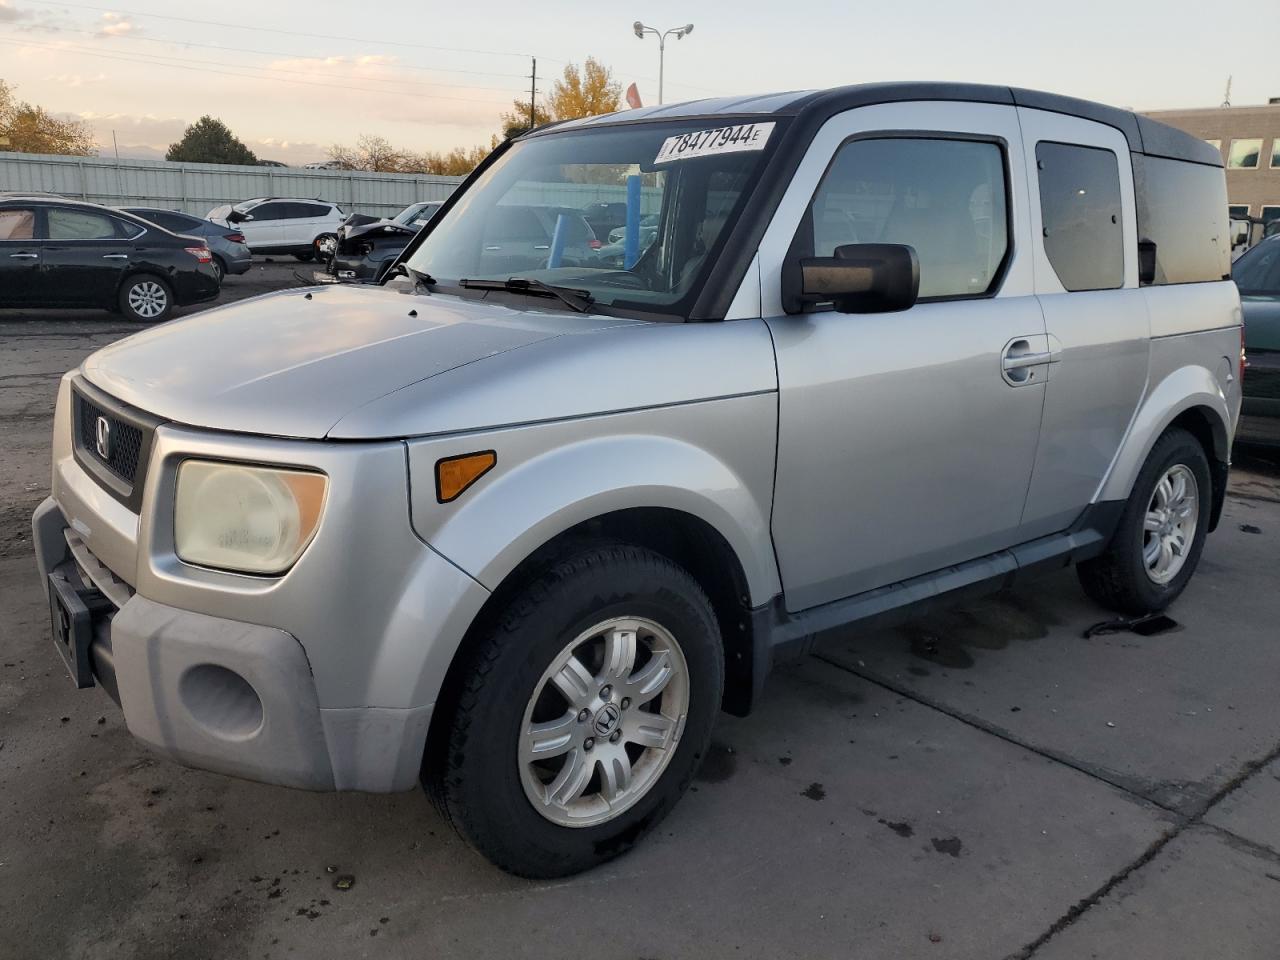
707,143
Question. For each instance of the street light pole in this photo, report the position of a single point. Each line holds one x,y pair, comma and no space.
680,32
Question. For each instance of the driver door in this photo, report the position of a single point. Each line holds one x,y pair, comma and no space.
906,440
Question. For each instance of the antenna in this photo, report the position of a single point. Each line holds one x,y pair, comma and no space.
1226,96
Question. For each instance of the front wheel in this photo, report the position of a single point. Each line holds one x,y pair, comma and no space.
582,713
146,299
1161,533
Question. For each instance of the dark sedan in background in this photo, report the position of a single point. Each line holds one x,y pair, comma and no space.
367,246
66,253
1257,275
231,254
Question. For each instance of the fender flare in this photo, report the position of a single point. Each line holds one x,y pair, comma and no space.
1186,388
494,528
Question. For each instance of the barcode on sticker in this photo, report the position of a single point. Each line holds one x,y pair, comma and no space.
705,143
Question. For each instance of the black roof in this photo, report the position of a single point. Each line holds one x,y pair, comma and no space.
1143,134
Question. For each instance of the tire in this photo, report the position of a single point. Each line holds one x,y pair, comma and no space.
324,247
1125,578
479,774
146,298
219,269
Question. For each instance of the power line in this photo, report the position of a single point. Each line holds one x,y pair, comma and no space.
144,59
291,55
288,33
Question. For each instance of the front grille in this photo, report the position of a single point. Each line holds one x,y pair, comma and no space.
122,472
123,440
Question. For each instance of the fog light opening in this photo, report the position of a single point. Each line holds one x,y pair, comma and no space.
221,701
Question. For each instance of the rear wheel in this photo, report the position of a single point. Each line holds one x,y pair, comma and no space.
582,713
1161,533
219,268
146,299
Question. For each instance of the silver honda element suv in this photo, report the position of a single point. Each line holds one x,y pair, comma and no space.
523,519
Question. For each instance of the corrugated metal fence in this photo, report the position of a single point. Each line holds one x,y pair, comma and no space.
198,187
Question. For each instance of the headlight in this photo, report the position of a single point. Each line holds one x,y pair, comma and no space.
247,519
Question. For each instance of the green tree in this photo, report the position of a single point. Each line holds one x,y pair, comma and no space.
29,129
210,141
580,92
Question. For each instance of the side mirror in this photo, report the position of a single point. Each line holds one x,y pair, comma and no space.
861,278
1146,262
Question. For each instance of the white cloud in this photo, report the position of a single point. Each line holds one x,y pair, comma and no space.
76,80
115,25
11,14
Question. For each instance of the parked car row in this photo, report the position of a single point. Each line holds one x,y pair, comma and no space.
66,253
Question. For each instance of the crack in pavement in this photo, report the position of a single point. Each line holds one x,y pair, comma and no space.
1182,821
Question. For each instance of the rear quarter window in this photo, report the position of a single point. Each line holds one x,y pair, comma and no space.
1081,214
1182,209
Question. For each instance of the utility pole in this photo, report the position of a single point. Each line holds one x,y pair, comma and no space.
533,94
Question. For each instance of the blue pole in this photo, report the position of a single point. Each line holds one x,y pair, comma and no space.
631,238
558,239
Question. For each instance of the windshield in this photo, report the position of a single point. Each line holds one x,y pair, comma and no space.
633,215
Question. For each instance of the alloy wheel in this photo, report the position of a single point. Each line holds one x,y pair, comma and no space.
603,722
1169,527
148,299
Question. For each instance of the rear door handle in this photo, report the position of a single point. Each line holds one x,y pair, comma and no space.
115,256
24,256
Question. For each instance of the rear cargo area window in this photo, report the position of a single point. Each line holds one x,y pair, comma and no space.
1082,219
1182,209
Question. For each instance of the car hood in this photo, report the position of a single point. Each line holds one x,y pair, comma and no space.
294,363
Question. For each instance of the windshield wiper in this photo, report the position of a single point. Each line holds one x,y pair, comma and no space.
579,300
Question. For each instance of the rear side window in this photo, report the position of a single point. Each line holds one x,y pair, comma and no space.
268,211
944,198
173,221
17,224
1182,209
67,224
1080,210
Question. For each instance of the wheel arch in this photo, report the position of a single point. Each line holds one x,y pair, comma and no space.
1190,398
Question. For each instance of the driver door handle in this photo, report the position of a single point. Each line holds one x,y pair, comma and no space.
1017,361
24,256
115,256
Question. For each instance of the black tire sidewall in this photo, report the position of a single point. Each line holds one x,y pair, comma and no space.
485,786
122,299
1176,447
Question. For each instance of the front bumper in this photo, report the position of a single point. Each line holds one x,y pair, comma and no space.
344,654
357,267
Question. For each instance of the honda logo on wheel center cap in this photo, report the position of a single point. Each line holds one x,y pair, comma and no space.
607,719
102,434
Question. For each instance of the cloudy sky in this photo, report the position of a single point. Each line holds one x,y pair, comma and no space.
291,78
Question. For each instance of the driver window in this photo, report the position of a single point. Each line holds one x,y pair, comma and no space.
945,198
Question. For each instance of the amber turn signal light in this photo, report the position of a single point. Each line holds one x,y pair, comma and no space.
455,474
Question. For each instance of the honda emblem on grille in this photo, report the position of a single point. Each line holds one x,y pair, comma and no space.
102,433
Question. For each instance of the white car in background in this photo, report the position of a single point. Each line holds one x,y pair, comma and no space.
305,228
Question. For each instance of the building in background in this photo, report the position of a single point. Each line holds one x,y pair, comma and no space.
1249,138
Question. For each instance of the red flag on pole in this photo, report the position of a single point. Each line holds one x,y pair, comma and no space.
633,97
